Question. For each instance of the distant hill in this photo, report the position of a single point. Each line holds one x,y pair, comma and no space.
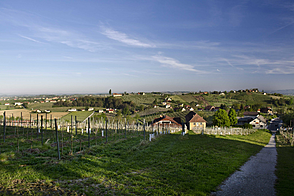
284,92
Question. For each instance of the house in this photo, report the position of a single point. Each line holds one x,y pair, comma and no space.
47,111
110,110
266,110
7,104
246,107
259,122
209,108
250,114
181,105
116,95
166,121
168,99
167,105
100,111
90,109
194,121
17,104
163,103
244,120
155,106
72,110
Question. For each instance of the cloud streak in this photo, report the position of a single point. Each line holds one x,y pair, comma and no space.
170,62
31,39
122,37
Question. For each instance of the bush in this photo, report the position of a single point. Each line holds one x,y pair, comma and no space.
247,126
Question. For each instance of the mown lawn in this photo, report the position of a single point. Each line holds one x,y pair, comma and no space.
81,116
285,167
169,165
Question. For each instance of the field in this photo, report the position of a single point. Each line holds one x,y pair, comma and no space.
146,100
81,116
169,165
48,106
26,114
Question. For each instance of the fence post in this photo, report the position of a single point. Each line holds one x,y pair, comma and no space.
76,125
125,128
4,126
42,129
106,120
46,122
183,129
144,130
57,142
88,132
21,119
37,125
71,124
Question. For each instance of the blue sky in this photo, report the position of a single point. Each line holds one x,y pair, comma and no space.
93,46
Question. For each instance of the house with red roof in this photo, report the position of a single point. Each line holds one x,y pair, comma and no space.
194,121
167,121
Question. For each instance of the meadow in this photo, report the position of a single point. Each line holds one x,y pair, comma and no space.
170,164
285,167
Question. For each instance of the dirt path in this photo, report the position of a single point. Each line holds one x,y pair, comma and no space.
256,176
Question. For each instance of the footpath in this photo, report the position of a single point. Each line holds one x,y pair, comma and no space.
256,176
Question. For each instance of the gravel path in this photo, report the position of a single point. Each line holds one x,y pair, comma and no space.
256,176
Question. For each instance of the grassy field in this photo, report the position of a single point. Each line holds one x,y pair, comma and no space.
146,100
81,115
26,114
285,167
48,106
169,165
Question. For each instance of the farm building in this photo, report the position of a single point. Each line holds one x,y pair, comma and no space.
194,121
259,122
116,95
166,121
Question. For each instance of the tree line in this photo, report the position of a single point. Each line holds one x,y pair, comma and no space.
106,102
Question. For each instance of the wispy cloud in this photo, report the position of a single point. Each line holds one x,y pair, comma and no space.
122,37
281,70
170,62
31,39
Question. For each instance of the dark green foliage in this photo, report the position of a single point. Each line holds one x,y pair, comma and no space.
247,126
233,117
89,101
221,119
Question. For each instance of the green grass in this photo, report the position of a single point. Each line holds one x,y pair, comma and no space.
48,106
146,99
81,116
284,168
178,98
169,165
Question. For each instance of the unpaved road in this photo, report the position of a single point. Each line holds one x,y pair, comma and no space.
256,176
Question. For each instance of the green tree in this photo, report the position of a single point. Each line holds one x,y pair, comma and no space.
125,111
109,91
233,117
291,101
118,114
221,118
142,107
155,102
